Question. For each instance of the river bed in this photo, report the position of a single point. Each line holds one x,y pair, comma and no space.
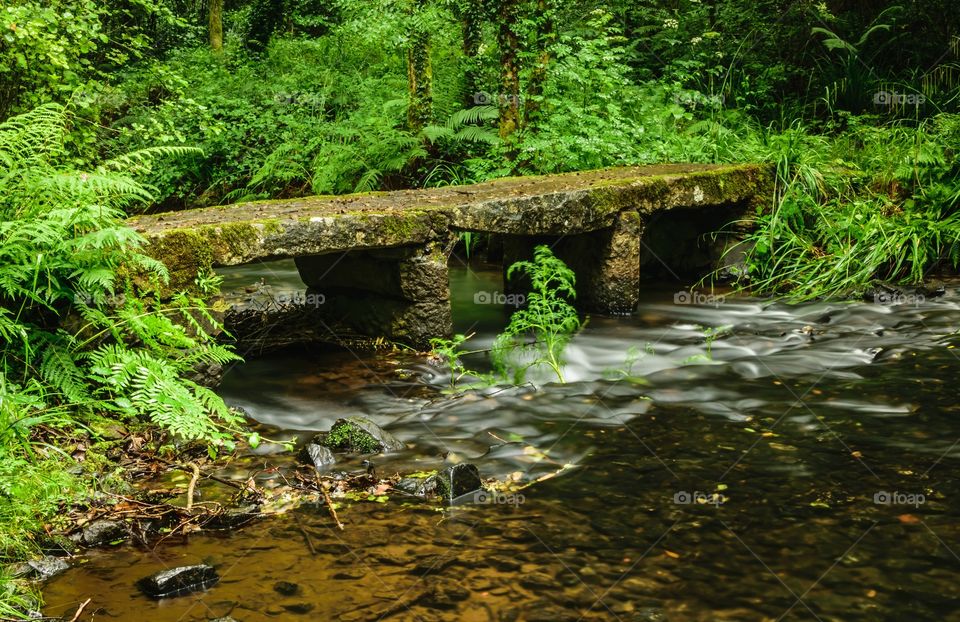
799,466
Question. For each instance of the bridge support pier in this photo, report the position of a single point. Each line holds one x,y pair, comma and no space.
606,262
399,293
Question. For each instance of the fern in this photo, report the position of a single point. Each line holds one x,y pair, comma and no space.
73,328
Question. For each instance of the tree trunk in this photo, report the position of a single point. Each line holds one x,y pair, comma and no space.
216,25
545,39
472,21
509,97
419,71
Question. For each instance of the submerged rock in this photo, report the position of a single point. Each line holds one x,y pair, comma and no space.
286,588
48,566
299,608
233,518
361,435
42,569
445,595
317,455
179,581
417,486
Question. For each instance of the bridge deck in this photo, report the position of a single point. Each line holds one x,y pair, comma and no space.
192,241
475,196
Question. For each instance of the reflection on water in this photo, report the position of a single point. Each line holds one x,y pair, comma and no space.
820,441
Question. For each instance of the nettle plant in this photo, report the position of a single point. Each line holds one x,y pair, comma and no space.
74,330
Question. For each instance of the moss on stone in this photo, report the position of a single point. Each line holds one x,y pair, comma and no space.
234,239
347,436
186,253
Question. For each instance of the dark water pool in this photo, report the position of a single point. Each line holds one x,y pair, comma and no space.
802,466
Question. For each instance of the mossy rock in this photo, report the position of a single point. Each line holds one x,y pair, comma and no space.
457,481
361,435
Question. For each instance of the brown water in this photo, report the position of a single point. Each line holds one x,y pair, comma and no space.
799,435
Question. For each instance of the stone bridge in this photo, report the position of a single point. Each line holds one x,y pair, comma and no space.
380,259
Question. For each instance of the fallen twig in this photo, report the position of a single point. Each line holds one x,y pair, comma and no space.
76,616
329,502
193,484
206,475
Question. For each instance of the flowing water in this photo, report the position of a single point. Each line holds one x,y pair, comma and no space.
798,463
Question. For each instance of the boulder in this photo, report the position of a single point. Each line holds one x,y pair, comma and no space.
457,480
47,566
361,435
101,532
317,455
179,581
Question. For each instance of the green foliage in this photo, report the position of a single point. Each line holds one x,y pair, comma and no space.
33,482
79,341
450,351
539,333
69,317
710,334
854,79
877,203
536,335
586,111
44,50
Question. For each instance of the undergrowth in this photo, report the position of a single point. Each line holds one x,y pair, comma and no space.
871,204
85,334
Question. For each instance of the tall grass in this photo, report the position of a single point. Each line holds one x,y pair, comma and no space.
875,203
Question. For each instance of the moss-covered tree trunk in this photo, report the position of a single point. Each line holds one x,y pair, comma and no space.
472,24
419,71
216,25
544,41
509,41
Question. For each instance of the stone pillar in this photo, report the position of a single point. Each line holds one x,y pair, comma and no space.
606,262
401,294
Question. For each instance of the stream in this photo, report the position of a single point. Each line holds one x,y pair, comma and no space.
795,465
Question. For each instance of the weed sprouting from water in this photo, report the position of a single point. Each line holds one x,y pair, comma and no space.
548,319
537,334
